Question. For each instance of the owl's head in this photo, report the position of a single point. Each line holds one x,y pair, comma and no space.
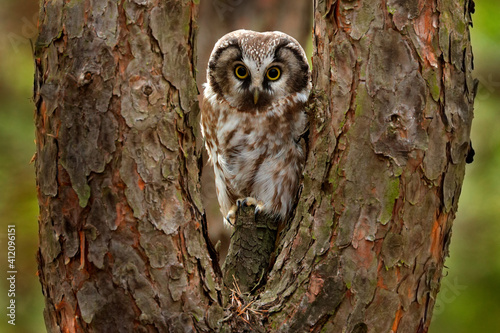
251,70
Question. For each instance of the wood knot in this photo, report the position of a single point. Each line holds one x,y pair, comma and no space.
85,79
147,90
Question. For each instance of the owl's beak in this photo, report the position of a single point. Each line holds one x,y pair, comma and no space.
255,96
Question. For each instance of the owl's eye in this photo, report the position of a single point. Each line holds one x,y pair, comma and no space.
273,73
241,72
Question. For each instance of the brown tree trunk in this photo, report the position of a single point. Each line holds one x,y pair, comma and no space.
388,142
122,241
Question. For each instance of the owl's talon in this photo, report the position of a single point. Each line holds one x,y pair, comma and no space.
231,215
229,221
240,203
259,208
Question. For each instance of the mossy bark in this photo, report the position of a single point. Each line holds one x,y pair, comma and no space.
123,245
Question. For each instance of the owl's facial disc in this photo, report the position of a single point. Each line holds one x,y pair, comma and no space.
251,71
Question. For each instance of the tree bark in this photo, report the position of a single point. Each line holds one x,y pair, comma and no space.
121,241
388,141
123,245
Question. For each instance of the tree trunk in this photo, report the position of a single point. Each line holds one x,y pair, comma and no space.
123,245
121,241
388,141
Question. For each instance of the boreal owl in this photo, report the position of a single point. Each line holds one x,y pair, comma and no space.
252,118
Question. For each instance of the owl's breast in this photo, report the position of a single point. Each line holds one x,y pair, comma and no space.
256,153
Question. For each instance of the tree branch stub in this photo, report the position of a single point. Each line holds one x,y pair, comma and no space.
251,248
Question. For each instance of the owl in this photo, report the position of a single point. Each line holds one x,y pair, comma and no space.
252,118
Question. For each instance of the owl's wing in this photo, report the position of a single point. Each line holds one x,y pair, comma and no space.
209,118
208,122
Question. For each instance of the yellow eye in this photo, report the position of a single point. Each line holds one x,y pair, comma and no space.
273,73
241,72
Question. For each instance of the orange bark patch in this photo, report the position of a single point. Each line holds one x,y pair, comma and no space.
411,292
365,254
68,319
397,319
425,28
43,112
380,283
364,248
120,214
82,250
315,286
436,236
342,19
380,280
140,182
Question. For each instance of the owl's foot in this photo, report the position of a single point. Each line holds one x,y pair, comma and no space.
250,201
244,202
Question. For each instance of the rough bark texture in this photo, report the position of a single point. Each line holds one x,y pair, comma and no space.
388,142
123,245
250,251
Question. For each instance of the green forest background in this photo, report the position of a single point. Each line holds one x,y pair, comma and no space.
469,300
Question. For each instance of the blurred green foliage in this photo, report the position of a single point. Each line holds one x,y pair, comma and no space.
18,203
468,301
